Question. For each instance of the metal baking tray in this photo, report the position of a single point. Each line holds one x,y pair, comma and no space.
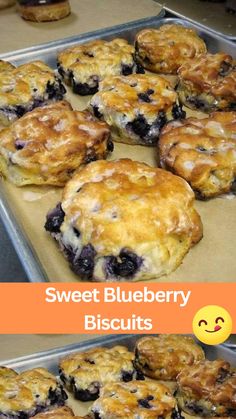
208,15
31,262
50,359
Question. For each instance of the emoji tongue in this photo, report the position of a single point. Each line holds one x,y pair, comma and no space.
217,328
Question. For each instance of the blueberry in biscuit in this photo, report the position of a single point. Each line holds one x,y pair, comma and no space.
203,152
28,393
164,356
95,228
208,83
85,373
136,399
26,87
48,144
136,107
165,49
84,66
207,389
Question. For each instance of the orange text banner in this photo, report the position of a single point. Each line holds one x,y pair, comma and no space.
109,308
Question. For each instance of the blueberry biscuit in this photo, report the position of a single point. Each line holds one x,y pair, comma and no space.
48,144
84,66
203,152
163,357
208,83
124,220
26,87
136,399
165,49
208,389
136,107
28,393
60,413
85,373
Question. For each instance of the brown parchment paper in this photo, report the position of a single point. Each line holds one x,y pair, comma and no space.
213,259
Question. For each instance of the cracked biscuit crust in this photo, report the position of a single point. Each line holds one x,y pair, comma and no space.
26,87
85,373
208,83
165,49
95,226
48,144
136,399
208,389
163,357
84,66
24,395
136,107
203,152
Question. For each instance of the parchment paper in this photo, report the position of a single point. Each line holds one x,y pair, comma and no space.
213,259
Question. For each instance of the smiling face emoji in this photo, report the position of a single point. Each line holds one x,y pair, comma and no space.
212,325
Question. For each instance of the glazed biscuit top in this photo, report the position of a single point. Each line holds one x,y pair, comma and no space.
52,138
22,84
136,94
168,354
97,365
212,380
21,392
170,45
210,73
193,146
59,413
103,200
98,58
141,399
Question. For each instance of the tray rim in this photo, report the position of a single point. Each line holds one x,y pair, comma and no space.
102,340
25,251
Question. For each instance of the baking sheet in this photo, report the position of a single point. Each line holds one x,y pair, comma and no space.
24,209
205,13
50,359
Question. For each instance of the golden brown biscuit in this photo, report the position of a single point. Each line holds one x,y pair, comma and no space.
136,399
85,373
27,393
26,87
208,83
136,107
48,144
165,49
60,413
84,66
164,356
208,389
124,220
43,11
203,152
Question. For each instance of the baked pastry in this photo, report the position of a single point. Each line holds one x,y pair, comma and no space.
24,395
94,223
208,389
164,356
136,399
60,413
43,11
165,49
26,87
84,66
203,152
48,144
136,107
85,373
208,83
